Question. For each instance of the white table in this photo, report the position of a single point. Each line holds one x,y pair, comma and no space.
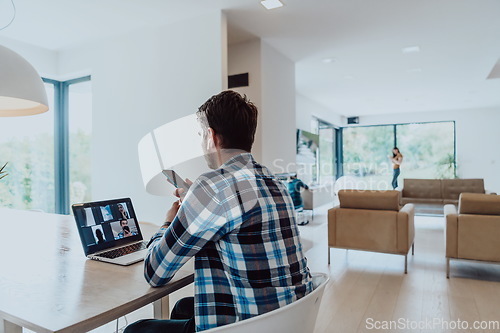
47,284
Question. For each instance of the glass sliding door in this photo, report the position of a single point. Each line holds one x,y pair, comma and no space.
327,160
428,149
366,153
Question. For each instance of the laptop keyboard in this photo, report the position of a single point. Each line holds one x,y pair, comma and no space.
123,251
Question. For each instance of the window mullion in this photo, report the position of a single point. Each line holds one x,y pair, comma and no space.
61,137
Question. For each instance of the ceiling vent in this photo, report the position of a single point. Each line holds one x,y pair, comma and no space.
353,120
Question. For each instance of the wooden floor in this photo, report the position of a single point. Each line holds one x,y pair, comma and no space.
366,287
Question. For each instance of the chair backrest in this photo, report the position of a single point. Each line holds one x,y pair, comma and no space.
480,204
297,317
374,200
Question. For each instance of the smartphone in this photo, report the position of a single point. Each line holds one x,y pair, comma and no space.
174,179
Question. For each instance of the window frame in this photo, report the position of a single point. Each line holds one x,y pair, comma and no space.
340,152
336,162
61,141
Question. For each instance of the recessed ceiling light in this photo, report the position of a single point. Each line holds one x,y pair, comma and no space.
328,60
271,4
411,49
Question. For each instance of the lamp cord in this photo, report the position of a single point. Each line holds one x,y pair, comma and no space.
13,16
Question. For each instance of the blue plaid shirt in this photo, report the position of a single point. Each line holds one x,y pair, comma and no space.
238,222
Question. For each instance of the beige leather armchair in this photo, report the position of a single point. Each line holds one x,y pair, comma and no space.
371,221
473,232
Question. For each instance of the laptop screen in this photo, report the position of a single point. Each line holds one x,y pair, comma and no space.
106,224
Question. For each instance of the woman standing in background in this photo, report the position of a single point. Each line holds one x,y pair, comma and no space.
396,160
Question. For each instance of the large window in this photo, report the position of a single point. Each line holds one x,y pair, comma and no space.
428,150
366,151
36,149
80,131
27,144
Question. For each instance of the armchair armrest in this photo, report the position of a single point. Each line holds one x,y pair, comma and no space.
400,190
451,231
408,208
332,226
450,210
406,228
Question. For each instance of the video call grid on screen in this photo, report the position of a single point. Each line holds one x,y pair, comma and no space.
102,223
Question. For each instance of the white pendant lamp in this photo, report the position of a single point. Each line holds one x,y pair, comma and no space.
22,92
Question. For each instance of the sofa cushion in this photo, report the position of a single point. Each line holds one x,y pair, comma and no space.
422,188
376,200
453,187
480,204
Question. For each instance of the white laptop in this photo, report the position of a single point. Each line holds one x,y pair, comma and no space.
109,231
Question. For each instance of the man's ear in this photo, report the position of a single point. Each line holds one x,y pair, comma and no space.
212,135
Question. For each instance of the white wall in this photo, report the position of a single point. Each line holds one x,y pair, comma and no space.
477,139
307,108
278,109
43,60
272,89
141,81
245,58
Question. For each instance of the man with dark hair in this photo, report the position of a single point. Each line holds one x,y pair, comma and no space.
238,222
123,224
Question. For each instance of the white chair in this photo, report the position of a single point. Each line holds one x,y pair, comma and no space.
297,317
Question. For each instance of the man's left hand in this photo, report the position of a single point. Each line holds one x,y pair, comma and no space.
172,211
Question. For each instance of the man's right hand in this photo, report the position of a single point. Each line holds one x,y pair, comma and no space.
180,192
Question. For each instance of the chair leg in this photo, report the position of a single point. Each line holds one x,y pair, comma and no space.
329,255
413,249
447,268
406,264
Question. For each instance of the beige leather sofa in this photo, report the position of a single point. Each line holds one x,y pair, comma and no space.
473,231
371,221
438,191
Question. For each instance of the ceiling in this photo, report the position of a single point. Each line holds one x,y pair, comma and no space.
459,43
